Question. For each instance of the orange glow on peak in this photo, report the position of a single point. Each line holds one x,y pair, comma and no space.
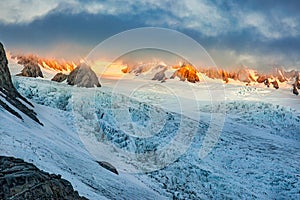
53,64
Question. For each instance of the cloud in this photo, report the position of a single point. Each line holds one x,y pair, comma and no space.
210,18
263,61
20,11
250,32
201,16
275,26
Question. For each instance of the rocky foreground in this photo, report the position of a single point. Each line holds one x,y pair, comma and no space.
22,180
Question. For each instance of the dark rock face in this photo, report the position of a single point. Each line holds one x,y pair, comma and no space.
31,71
83,76
9,92
108,166
59,77
296,85
22,180
267,82
5,79
31,67
295,91
275,84
72,76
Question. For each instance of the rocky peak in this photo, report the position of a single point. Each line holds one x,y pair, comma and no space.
216,73
279,74
31,66
186,72
244,75
8,93
83,76
160,76
31,71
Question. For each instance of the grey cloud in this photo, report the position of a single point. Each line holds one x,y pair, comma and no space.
20,11
212,18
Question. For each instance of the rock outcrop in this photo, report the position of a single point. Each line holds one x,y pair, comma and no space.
83,76
215,73
59,77
186,72
31,71
267,82
22,180
296,85
244,75
137,69
295,90
160,76
108,166
275,84
261,78
31,67
10,98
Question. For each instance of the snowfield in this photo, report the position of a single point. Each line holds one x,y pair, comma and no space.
256,154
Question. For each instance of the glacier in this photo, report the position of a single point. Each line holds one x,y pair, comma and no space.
257,154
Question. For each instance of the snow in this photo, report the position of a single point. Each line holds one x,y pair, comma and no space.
56,148
247,138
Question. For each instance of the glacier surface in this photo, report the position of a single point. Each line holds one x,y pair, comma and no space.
257,154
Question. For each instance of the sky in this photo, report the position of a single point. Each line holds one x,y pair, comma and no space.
260,34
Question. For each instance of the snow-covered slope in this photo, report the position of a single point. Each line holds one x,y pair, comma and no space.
256,156
57,148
